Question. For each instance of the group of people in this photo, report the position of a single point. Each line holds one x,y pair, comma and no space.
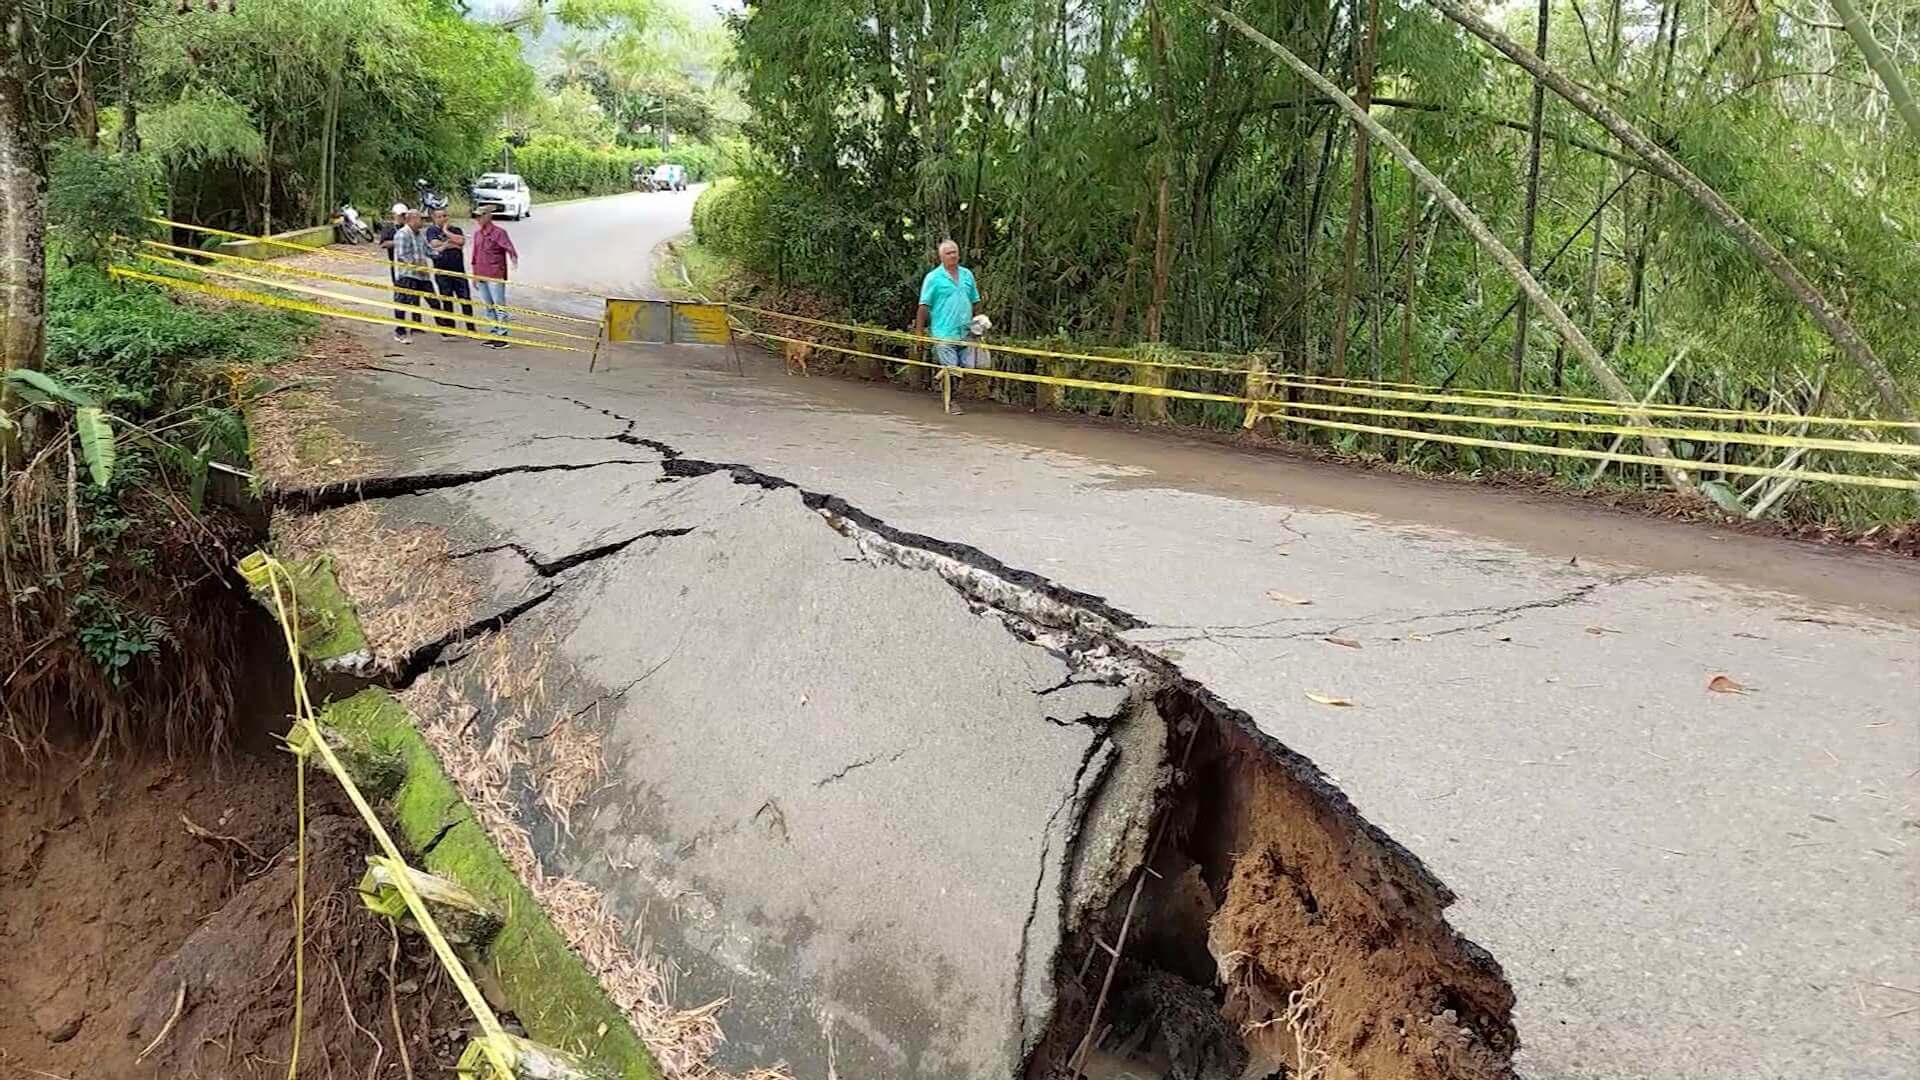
430,262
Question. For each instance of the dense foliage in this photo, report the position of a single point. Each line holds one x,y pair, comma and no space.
1038,136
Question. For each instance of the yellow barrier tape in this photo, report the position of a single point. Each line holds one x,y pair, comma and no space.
1745,438
1844,446
263,572
1280,410
347,279
316,309
383,303
1531,403
348,254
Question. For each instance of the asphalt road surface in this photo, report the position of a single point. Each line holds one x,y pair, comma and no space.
604,246
1680,883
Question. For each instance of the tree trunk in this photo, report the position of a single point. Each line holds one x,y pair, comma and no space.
266,187
1518,377
1845,337
1357,198
1412,281
1476,228
1880,62
1123,304
129,118
1163,234
23,232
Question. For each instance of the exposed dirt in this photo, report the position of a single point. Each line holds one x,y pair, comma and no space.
111,903
1279,935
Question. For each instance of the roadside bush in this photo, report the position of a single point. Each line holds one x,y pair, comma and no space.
136,348
732,218
94,196
563,167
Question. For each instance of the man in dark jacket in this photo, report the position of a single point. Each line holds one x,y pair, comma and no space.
448,244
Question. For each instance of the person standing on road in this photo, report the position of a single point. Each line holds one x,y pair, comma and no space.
492,250
412,270
948,299
447,242
396,219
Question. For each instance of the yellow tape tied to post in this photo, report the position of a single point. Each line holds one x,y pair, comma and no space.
313,309
265,574
1476,399
1285,410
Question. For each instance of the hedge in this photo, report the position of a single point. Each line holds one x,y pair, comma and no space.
564,167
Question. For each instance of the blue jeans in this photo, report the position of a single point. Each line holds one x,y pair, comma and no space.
494,295
954,354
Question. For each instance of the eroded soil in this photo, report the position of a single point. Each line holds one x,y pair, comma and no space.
132,890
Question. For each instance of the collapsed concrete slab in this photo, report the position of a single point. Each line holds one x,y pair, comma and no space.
909,812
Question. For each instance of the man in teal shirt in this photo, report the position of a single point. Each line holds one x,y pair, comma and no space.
948,298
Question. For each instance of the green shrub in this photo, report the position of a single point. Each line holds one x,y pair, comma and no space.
94,196
732,218
132,345
563,167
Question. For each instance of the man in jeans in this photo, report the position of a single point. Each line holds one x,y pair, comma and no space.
412,270
948,298
395,219
492,250
447,242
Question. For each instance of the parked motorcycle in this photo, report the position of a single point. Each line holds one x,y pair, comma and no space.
428,200
348,228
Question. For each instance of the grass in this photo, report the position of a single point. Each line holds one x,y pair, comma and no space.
553,992
709,275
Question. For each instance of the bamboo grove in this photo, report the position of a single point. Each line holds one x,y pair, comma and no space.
1153,170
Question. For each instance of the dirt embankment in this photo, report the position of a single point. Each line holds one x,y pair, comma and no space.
142,897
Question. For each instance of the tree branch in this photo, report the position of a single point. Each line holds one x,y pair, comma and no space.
1845,337
1482,235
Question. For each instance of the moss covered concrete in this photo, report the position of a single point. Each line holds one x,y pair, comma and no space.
547,985
329,629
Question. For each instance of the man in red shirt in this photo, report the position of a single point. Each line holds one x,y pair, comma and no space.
492,249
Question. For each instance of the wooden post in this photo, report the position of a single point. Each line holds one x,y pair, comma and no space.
946,389
599,335
1047,396
1150,408
733,347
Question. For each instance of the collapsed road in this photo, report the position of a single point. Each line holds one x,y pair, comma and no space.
898,803
1676,882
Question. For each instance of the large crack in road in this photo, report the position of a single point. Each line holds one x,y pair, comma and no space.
916,812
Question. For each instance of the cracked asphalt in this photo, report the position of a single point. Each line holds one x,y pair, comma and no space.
1679,883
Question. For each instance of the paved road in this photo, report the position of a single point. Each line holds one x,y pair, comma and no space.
1680,883
604,246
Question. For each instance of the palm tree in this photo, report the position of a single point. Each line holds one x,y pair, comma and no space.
577,60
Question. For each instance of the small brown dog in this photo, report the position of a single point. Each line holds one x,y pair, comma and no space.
796,353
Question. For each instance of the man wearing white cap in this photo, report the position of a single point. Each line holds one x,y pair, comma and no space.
395,220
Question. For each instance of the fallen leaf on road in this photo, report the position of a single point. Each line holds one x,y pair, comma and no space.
1345,643
1598,631
1720,684
1325,700
1275,594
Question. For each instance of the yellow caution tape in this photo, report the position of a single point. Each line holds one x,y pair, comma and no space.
266,574
1282,410
316,309
272,241
1844,446
1474,399
382,303
347,279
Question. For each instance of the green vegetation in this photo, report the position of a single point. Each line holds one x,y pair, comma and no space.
110,552
1136,170
552,991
